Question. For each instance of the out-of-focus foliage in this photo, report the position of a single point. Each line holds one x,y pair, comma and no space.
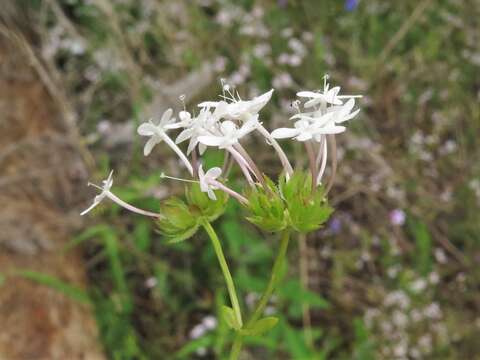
393,273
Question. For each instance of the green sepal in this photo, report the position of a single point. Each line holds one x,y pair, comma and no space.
177,223
201,203
307,210
260,327
181,219
266,207
230,318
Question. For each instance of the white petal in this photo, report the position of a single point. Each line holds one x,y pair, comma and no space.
284,133
147,129
309,94
202,148
211,140
312,102
150,144
211,194
184,116
331,130
214,173
184,135
191,145
206,104
227,127
349,116
166,117
348,106
260,101
201,173
304,136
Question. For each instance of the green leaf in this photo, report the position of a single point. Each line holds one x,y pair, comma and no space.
191,347
261,326
2,279
69,290
423,244
295,343
230,318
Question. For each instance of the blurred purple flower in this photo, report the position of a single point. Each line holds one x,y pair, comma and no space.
351,5
397,217
282,3
335,225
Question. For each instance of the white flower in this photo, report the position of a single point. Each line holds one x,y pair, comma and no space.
157,133
328,96
242,110
334,114
208,179
107,185
325,97
305,130
229,134
196,127
105,192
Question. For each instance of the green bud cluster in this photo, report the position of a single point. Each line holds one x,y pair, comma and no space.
293,203
181,218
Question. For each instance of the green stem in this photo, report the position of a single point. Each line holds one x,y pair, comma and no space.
274,277
262,303
236,347
226,272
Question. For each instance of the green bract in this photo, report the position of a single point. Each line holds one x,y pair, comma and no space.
181,218
307,209
267,208
292,203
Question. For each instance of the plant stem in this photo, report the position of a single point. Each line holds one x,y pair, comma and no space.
274,277
236,347
306,319
262,303
226,272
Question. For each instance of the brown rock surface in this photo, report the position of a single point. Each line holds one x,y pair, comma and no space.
40,173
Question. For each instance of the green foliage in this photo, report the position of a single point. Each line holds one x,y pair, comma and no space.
260,327
364,347
401,105
423,246
63,287
181,219
228,315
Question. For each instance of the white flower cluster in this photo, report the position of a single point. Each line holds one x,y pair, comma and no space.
326,114
222,124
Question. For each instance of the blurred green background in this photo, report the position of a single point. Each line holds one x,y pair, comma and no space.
393,275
